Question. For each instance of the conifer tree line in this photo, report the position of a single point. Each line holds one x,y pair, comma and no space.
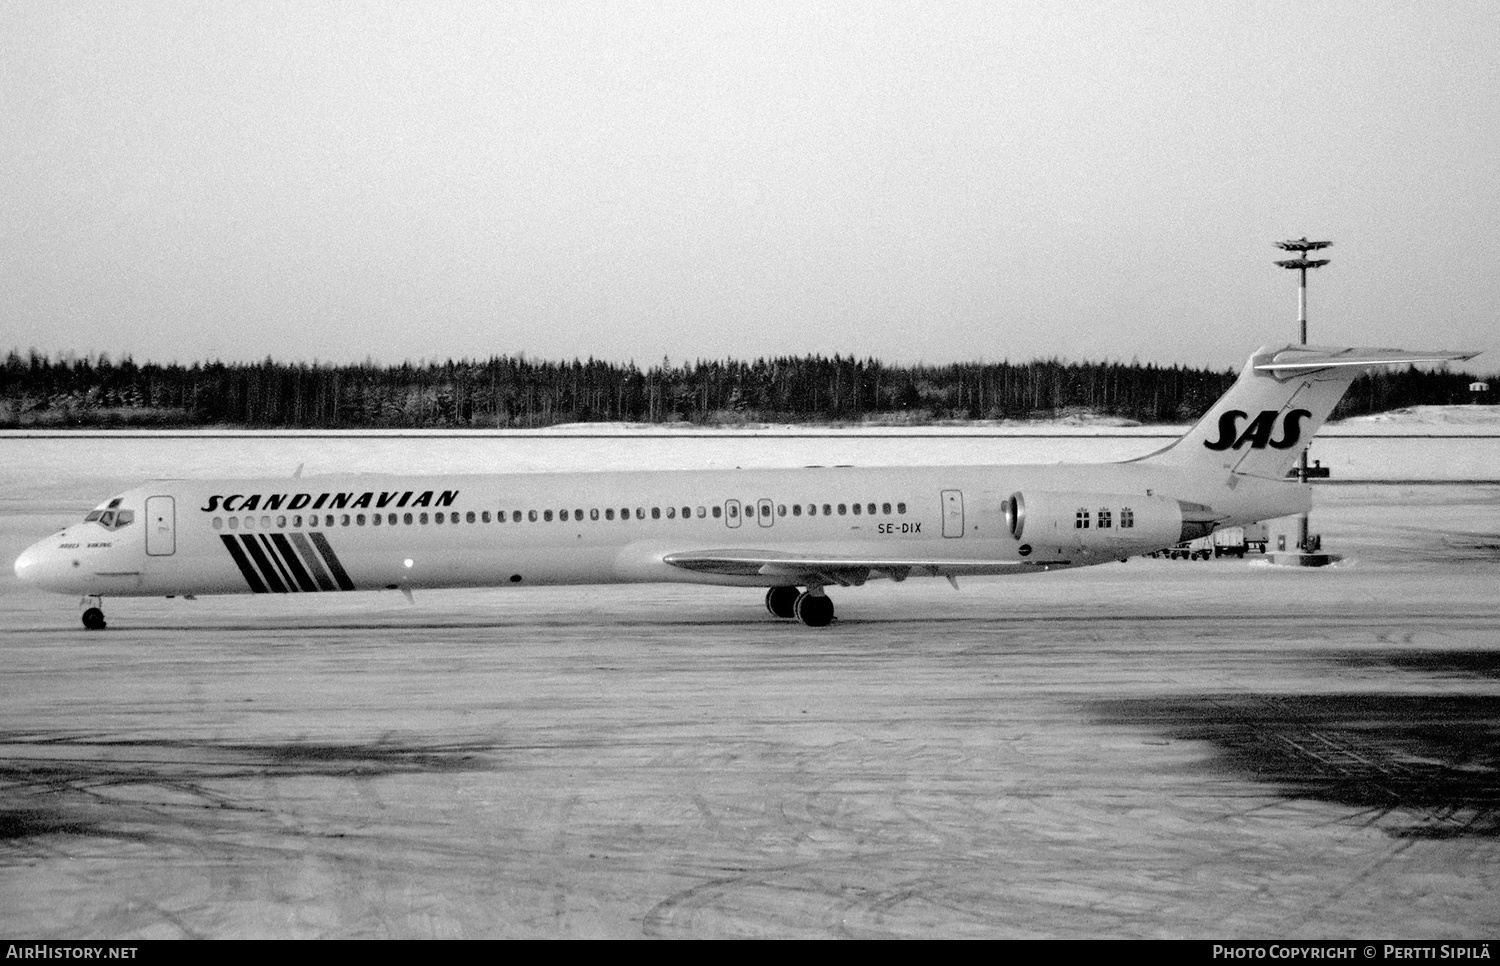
506,392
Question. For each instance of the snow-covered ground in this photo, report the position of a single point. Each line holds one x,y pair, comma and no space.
1456,420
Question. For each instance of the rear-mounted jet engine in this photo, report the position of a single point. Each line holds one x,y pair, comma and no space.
1105,521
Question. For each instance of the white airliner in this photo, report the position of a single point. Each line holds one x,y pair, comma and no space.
794,531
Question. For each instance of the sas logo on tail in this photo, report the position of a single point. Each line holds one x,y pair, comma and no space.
1258,432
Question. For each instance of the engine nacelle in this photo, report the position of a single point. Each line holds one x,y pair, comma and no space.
1105,521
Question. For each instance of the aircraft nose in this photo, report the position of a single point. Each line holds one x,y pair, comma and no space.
28,564
40,566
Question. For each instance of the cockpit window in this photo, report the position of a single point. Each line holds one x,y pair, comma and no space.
111,519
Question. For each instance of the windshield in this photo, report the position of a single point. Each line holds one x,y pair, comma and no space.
111,517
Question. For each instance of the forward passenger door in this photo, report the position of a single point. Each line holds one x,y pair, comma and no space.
161,526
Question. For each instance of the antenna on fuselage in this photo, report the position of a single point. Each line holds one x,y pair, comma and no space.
298,475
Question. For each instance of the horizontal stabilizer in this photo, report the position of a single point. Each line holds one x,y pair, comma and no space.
1300,359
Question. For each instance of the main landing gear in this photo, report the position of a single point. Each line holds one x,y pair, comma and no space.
93,613
812,607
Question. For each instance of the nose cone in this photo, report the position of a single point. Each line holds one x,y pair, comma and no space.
27,564
42,566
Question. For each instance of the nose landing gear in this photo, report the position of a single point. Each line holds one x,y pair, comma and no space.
93,614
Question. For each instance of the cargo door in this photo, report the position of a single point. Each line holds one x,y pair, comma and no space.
161,526
953,513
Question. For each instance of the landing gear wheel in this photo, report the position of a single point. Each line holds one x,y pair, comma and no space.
93,619
814,611
782,602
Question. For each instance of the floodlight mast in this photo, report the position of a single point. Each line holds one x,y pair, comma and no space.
1302,263
1301,246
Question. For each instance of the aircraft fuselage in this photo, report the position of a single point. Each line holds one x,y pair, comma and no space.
368,532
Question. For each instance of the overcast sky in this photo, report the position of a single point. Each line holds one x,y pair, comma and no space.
915,182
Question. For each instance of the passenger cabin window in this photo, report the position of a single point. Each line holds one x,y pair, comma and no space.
1105,519
1081,520
1127,517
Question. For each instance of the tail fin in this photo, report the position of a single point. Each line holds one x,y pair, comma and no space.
1260,426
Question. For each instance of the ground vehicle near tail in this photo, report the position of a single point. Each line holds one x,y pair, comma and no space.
1225,542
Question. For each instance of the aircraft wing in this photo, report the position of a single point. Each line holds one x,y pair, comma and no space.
844,571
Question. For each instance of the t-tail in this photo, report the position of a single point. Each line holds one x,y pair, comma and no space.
1262,424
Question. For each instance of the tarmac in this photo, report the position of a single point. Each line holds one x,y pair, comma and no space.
1219,749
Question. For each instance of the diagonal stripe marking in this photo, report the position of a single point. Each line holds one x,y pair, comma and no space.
251,577
267,569
313,561
294,566
331,558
